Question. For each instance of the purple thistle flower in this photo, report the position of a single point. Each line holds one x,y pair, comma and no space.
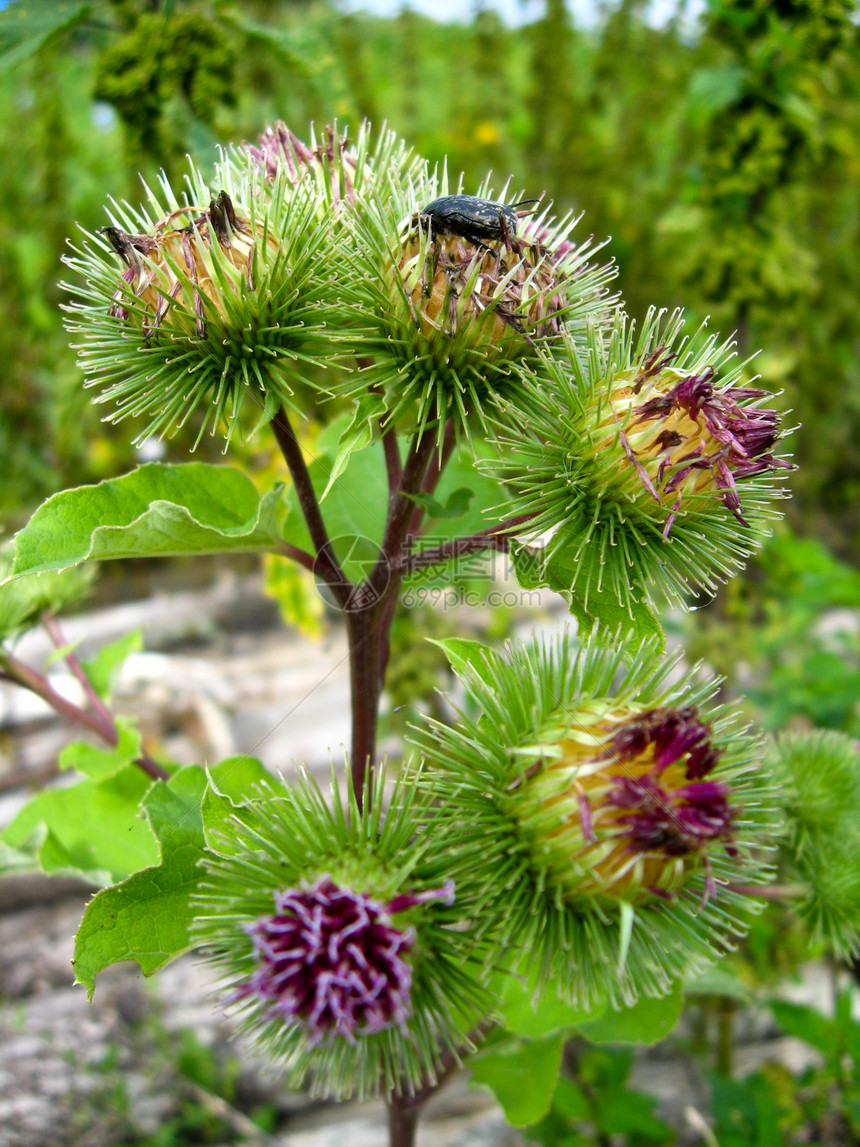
674,733
675,822
281,148
331,959
742,437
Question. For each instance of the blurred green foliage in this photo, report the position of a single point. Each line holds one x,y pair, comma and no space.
721,157
787,636
594,1103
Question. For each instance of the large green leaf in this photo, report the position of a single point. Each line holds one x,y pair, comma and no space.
563,569
522,1074
28,25
646,1022
525,1012
92,829
157,510
147,918
99,764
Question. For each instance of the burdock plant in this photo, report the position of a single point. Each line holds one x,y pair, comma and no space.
587,822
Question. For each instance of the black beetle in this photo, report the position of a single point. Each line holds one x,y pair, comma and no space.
472,218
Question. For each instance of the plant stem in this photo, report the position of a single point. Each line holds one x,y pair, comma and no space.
325,561
434,473
366,685
402,1122
300,556
400,510
368,627
496,537
725,1035
21,674
52,628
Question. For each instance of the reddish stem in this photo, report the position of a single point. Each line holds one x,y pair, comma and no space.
434,473
496,537
324,561
301,556
21,674
400,511
402,1123
392,457
52,627
363,628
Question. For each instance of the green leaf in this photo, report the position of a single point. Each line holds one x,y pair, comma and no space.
805,1023
99,764
714,89
157,510
623,1111
715,981
569,1100
231,784
24,859
487,503
24,599
357,436
745,1112
525,1014
646,1022
92,829
456,506
355,508
563,569
27,27
103,670
468,656
147,918
522,1074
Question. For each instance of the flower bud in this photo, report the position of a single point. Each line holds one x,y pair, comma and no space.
334,961
607,814
282,151
340,942
217,302
629,816
443,312
653,463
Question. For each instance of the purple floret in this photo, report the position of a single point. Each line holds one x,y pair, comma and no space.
675,822
674,733
746,435
331,959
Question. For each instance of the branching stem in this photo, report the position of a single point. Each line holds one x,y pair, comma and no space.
496,537
103,726
52,628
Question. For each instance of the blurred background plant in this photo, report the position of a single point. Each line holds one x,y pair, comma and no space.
719,147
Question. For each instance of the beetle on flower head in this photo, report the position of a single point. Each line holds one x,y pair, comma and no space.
470,217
